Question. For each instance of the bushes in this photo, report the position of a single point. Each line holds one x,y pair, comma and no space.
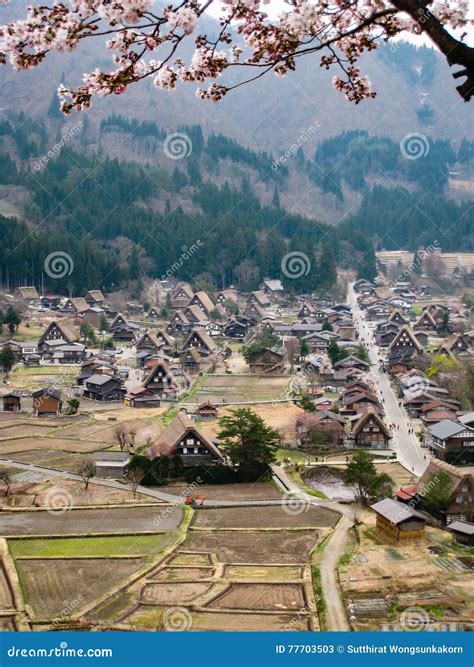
157,471
221,474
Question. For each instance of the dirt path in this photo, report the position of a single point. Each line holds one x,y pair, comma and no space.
336,613
146,491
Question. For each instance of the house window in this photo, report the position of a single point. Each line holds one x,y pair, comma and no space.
185,450
189,441
196,450
458,500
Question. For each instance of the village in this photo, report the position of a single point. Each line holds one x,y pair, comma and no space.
136,435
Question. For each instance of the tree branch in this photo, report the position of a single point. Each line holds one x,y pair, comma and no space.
456,52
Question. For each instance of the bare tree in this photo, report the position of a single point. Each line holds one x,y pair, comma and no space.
121,436
135,476
86,469
6,479
131,437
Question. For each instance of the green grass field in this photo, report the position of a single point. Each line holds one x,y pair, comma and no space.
123,545
294,456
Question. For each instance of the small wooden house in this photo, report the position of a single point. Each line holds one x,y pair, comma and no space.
47,402
95,297
76,305
141,397
259,297
195,313
191,360
103,388
462,532
398,523
406,341
179,324
28,294
181,295
199,340
111,465
269,361
203,300
206,410
370,432
161,382
12,402
58,331
183,438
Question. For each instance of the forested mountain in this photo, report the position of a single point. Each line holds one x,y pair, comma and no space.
130,218
105,213
272,168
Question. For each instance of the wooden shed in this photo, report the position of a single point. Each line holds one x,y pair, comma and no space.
463,532
47,402
206,410
398,523
11,402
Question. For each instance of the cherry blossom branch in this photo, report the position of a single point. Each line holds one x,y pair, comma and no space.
247,38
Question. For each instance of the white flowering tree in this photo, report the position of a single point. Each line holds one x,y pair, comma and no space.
145,41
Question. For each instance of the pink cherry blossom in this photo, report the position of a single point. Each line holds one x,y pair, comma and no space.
144,42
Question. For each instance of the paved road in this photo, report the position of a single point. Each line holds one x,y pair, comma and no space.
410,453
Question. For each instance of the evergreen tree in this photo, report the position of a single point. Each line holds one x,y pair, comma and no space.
247,439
